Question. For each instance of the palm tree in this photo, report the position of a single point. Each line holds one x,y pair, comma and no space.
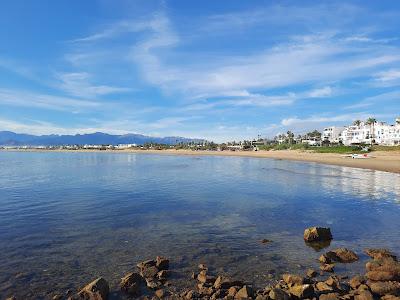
357,123
371,122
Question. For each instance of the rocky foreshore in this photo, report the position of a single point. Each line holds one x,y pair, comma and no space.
151,280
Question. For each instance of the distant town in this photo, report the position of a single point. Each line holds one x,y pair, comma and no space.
360,133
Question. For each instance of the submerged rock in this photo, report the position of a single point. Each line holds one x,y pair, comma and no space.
327,267
342,255
317,234
96,290
302,291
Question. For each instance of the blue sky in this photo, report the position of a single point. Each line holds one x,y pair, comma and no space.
220,70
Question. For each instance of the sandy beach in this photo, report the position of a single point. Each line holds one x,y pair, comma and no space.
387,161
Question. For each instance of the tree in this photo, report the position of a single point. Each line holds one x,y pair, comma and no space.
357,123
371,122
290,137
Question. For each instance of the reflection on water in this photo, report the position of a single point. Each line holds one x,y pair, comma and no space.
66,218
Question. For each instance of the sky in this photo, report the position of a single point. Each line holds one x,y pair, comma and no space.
221,70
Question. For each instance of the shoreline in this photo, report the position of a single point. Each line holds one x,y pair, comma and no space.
386,161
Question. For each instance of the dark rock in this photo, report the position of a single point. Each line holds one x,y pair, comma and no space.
153,284
96,290
342,255
162,263
163,275
385,287
265,241
317,234
146,264
131,283
244,293
302,291
225,283
278,294
57,297
311,273
149,272
380,253
324,259
327,267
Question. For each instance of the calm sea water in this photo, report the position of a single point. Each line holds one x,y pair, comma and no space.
66,218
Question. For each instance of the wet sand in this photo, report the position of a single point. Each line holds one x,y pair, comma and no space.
387,161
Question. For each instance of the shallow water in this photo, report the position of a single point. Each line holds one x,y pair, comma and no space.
66,218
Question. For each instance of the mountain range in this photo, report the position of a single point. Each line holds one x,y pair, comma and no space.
8,138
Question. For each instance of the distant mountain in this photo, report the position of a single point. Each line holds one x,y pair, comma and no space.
8,138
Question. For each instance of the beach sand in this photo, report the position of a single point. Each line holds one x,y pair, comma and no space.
388,161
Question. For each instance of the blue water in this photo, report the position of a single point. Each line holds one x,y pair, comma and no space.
66,218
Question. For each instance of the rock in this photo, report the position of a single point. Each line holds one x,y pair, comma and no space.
390,297
146,264
162,263
160,293
379,253
163,275
317,234
330,296
291,279
302,291
381,276
327,267
244,293
204,278
278,294
149,272
131,283
193,275
311,273
324,259
342,255
265,241
385,287
11,298
232,291
191,295
203,290
225,283
323,287
364,295
96,290
57,297
356,281
153,284
202,267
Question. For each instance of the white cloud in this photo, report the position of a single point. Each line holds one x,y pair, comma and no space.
320,93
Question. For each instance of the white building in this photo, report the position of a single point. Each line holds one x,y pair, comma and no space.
376,133
332,134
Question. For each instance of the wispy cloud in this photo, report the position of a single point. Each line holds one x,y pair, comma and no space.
50,102
78,84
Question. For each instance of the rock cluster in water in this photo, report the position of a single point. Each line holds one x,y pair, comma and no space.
381,280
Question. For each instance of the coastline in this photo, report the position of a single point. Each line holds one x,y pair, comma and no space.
386,161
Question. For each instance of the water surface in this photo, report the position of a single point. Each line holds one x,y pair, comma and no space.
66,218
